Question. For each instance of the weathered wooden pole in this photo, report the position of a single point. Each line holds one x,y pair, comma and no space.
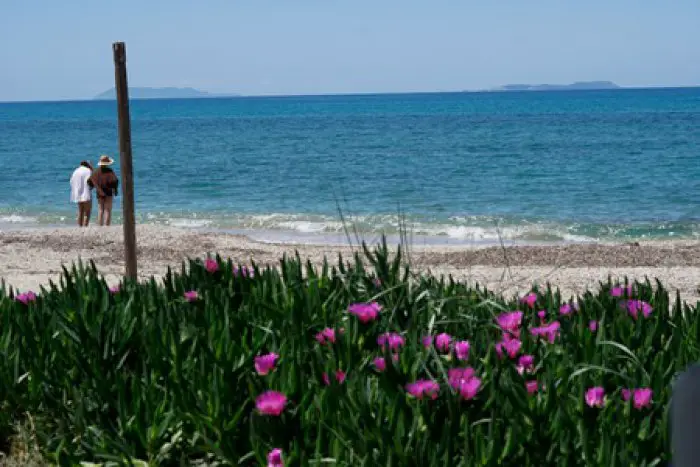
122,89
685,419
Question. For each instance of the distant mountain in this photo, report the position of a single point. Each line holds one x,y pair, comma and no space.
160,93
581,85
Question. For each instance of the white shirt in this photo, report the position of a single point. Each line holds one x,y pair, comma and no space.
79,188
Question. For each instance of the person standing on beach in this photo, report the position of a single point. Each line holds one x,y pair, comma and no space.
106,185
80,192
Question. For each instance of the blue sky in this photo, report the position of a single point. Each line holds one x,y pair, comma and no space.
62,49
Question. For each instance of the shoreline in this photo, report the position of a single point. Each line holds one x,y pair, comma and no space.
30,257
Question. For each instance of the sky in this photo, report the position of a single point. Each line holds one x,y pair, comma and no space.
61,49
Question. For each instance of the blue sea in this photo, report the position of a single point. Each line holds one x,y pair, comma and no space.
564,166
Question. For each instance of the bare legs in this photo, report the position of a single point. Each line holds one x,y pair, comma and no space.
104,216
84,210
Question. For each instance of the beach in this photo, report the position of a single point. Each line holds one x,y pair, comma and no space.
30,258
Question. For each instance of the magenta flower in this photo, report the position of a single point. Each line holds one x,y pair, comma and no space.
211,265
114,289
422,388
530,299
339,377
549,331
641,397
464,381
469,388
191,295
393,340
365,312
531,386
270,403
542,314
593,325
442,342
510,322
509,346
635,306
595,397
455,376
265,363
379,364
26,297
427,341
620,291
525,363
565,309
274,458
462,350
326,336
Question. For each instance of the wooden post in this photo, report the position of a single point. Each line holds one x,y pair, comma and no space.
122,90
685,419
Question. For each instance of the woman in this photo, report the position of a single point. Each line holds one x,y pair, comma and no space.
80,192
106,185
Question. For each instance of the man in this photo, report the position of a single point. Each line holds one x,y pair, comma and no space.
80,192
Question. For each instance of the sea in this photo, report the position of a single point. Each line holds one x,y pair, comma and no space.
438,168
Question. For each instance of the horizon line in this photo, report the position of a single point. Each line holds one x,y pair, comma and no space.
219,95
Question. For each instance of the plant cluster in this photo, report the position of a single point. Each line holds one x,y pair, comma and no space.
363,363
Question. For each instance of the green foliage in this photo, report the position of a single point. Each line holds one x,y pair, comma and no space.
146,374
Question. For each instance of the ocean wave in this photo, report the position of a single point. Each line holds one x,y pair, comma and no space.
17,219
481,229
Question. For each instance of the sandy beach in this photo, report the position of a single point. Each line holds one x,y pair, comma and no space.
30,258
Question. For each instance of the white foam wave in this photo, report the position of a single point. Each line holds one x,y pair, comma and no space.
17,219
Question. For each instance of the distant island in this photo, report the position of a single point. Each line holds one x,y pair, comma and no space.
160,93
580,85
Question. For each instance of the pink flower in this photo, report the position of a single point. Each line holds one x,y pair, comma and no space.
531,386
365,312
326,336
593,325
274,458
549,331
427,341
530,299
191,296
462,350
469,388
423,387
525,363
595,396
641,397
265,363
393,340
510,322
270,403
377,282
442,342
626,394
565,309
455,376
379,364
635,306
26,297
620,291
464,381
510,346
211,265
114,289
339,377
542,314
